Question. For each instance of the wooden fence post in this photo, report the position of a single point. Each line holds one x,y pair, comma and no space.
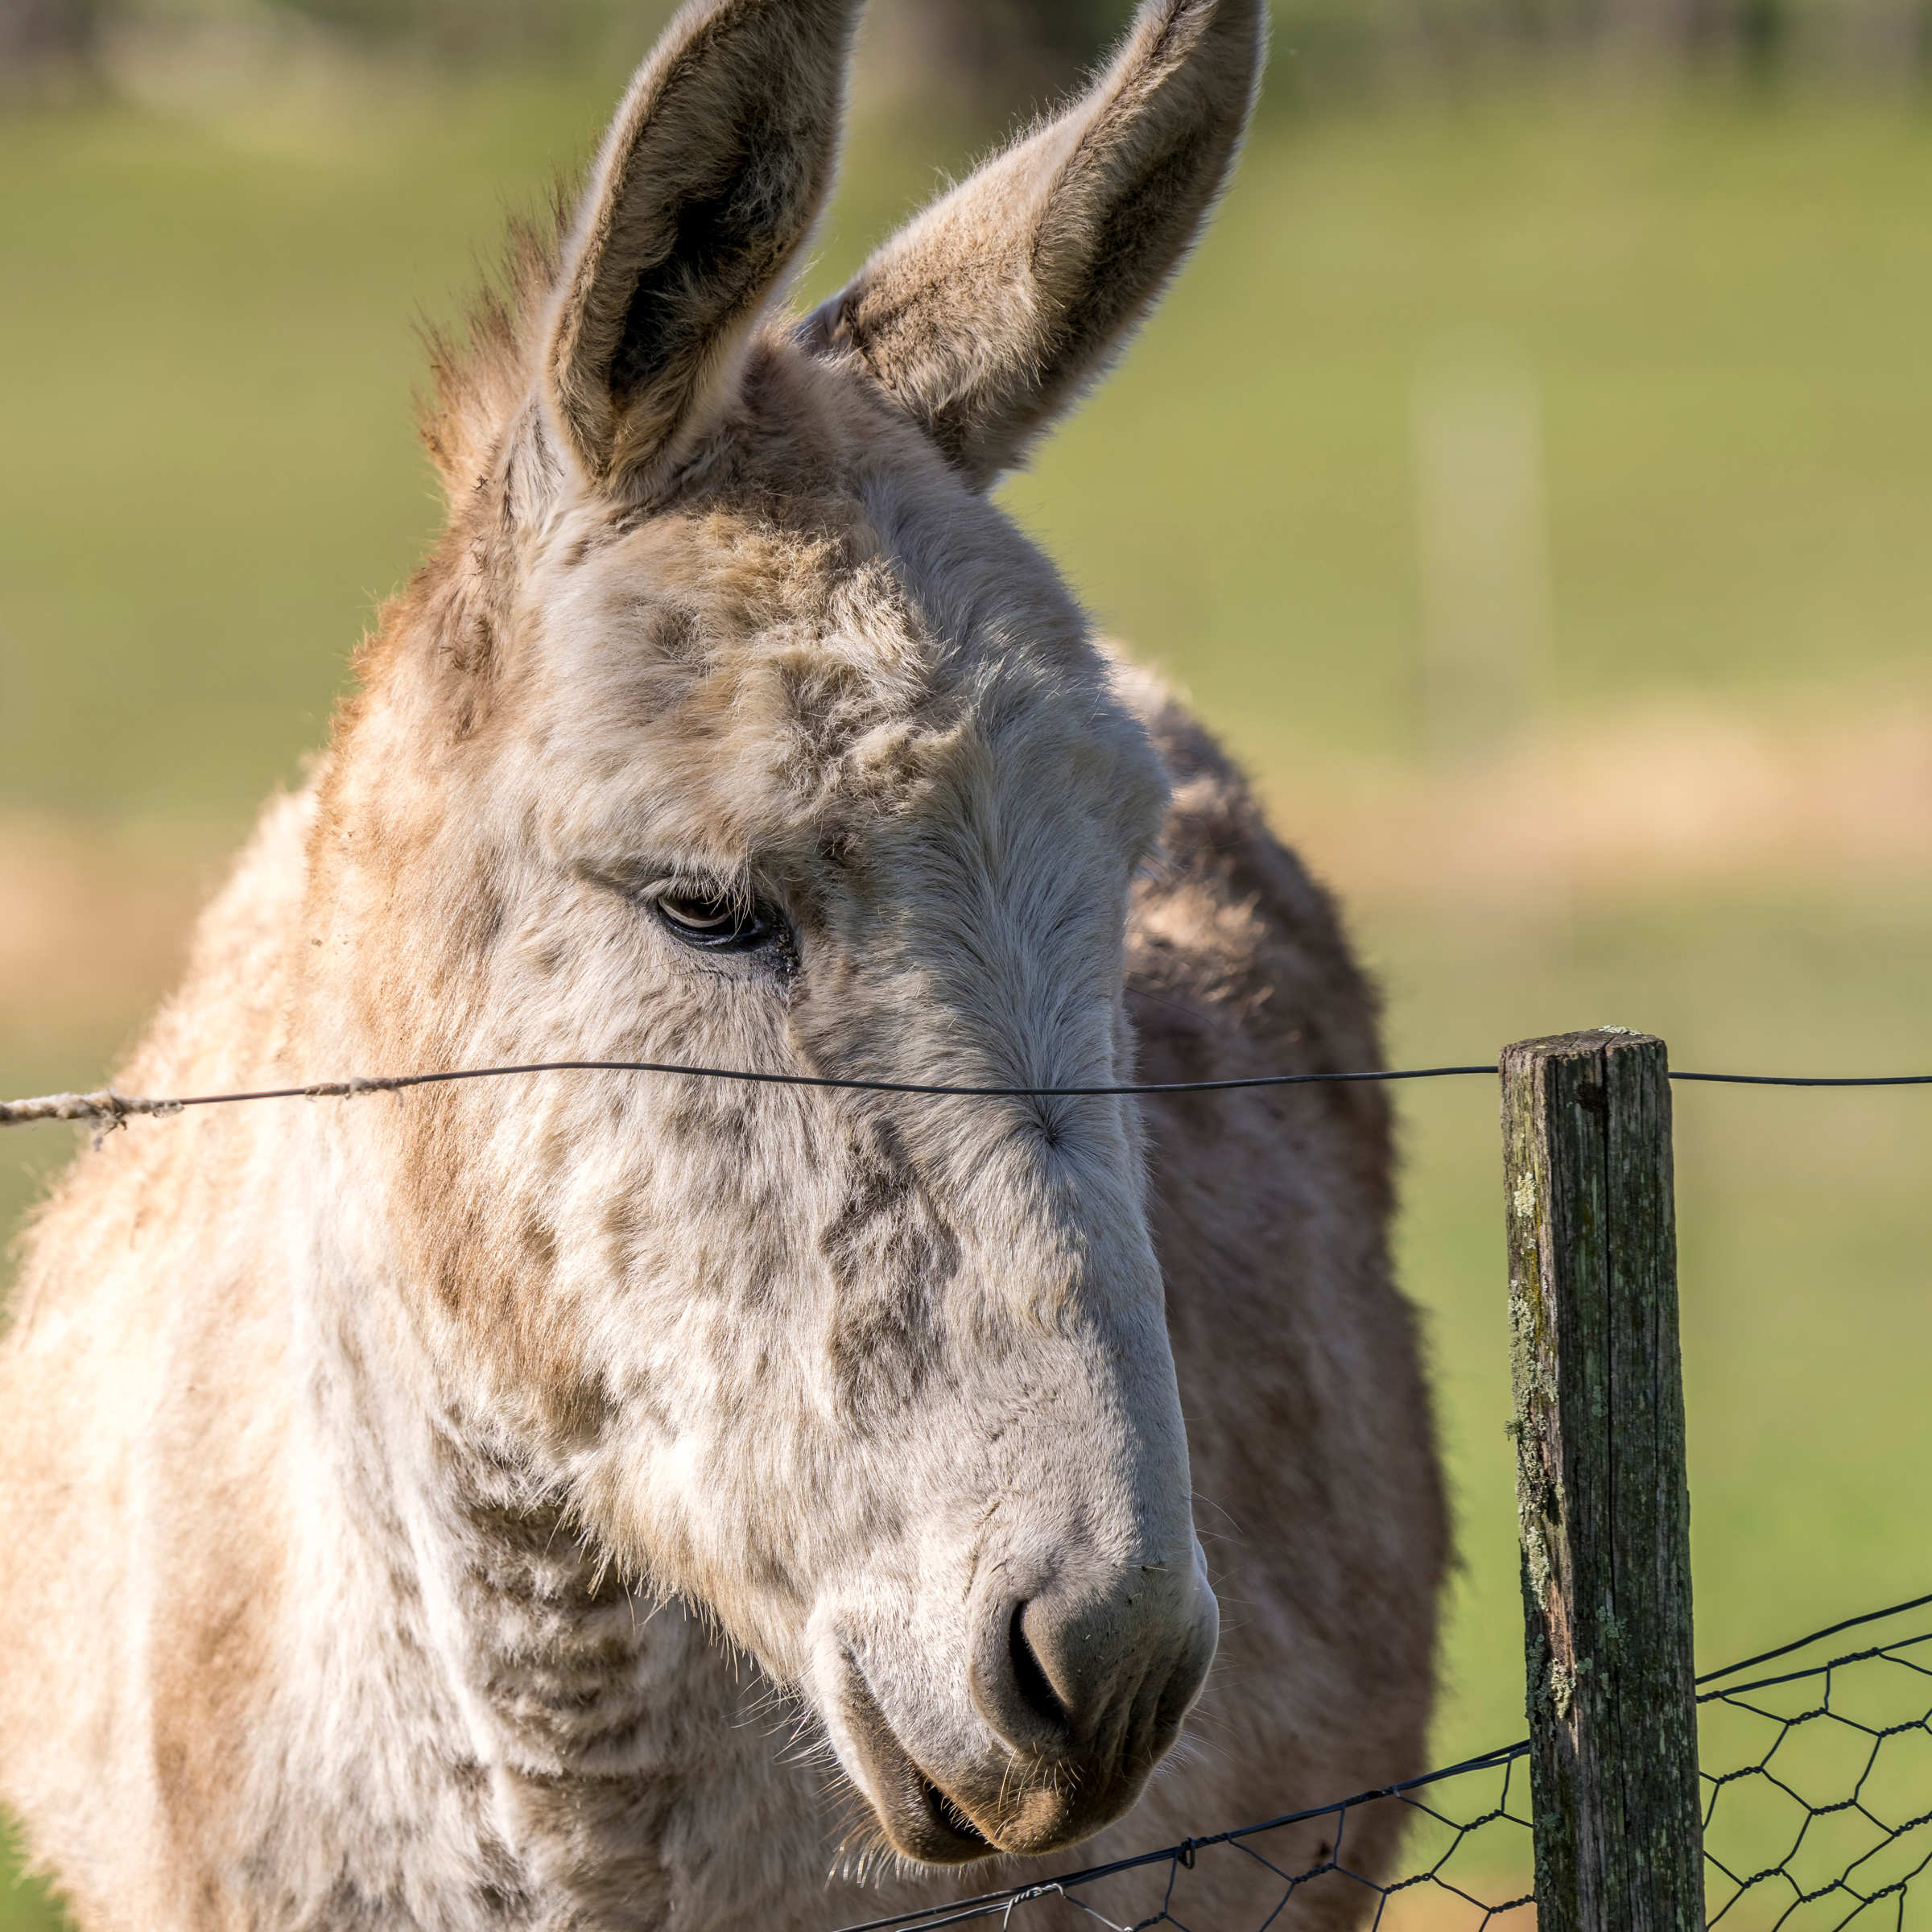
1603,1506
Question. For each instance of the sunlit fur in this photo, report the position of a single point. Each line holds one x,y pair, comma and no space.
528,1503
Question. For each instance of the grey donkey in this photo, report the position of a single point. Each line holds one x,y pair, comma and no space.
606,1500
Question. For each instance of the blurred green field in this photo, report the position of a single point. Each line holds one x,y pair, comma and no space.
1722,301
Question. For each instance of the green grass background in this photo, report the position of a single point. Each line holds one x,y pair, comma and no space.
206,357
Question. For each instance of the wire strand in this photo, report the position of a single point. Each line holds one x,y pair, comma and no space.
1817,1636
106,1105
1791,1079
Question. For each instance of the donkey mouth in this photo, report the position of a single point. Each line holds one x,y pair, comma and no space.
1007,1806
922,1819
949,1817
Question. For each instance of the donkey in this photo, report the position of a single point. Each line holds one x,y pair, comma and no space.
613,1500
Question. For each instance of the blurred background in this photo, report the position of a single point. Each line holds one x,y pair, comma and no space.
1532,478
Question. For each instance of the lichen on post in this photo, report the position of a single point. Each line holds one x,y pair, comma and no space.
1603,1504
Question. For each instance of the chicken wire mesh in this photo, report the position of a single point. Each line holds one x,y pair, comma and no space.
1817,1785
1818,1814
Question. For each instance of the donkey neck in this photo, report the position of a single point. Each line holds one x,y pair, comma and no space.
573,1730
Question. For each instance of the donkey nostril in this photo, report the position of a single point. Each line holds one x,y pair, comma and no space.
1013,1684
1030,1679
1100,1665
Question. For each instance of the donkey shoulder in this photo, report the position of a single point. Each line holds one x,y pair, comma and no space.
1238,961
1309,1422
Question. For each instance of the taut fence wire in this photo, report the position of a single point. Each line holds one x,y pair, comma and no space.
104,1106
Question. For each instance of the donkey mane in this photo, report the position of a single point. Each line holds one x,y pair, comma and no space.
480,365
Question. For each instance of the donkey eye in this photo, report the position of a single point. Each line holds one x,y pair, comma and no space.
713,922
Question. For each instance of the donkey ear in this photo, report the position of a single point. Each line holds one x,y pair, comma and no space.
983,319
710,178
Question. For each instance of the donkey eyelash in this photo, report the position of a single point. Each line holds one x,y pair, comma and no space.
710,917
652,888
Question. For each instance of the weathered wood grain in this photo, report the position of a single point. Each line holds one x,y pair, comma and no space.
1602,1504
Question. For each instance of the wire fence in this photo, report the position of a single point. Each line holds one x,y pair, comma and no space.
105,1106
1824,1816
1818,1814
1821,1817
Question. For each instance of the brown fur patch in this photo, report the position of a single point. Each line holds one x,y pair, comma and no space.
890,1253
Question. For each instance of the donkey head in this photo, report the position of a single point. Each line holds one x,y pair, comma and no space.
732,725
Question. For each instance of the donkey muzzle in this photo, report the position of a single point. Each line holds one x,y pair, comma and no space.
1079,1686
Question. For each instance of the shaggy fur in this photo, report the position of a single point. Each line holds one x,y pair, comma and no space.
603,1501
